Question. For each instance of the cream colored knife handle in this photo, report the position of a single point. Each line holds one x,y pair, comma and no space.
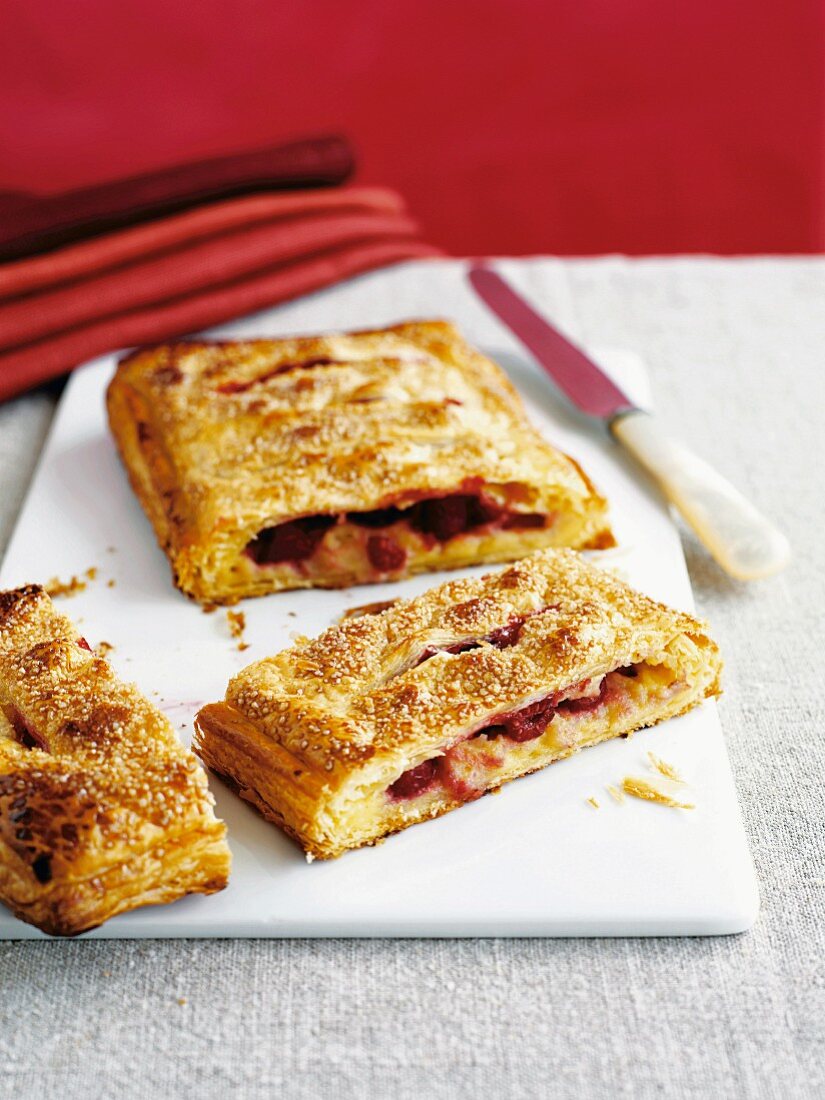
739,537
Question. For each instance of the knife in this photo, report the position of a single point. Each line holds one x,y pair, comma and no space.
739,537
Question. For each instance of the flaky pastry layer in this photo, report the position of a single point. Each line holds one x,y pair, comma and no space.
337,460
102,809
393,718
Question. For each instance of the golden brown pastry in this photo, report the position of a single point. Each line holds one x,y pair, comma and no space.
101,808
389,719
337,460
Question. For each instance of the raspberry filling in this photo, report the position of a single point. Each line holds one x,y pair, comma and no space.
525,724
446,517
231,386
437,519
522,521
385,555
521,725
23,733
502,638
414,781
293,541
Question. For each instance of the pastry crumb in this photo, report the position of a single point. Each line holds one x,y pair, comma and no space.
111,582
182,1001
237,625
615,793
665,769
57,588
103,649
591,801
208,608
368,609
644,789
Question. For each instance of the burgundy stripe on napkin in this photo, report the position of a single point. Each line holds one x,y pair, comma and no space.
34,223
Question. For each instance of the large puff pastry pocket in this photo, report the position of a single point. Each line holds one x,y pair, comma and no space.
338,460
101,808
393,718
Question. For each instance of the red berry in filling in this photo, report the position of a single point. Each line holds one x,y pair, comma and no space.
293,541
414,781
84,644
385,554
507,635
531,722
444,517
523,725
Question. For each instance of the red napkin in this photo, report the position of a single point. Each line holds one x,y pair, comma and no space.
186,271
34,223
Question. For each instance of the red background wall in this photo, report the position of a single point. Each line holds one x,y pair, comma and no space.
570,126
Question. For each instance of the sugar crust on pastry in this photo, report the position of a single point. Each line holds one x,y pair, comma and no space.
342,459
102,809
390,719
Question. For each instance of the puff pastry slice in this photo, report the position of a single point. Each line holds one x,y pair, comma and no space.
390,719
337,460
101,808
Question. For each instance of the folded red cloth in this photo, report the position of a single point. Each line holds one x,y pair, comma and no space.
189,271
34,223
199,264
90,257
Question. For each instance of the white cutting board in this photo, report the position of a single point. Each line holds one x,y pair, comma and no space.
535,860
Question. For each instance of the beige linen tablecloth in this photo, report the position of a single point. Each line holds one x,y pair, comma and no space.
736,350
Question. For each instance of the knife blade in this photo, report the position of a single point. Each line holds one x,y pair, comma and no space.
739,537
577,375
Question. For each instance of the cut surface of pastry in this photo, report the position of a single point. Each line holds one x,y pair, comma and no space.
338,460
392,718
102,809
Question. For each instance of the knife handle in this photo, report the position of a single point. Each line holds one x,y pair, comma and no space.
738,536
